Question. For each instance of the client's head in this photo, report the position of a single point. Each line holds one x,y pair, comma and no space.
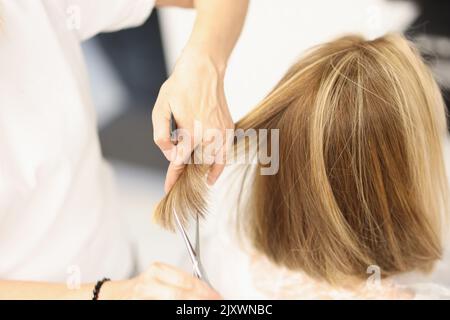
361,179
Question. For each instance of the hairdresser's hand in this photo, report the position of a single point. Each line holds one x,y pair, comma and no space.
194,93
159,282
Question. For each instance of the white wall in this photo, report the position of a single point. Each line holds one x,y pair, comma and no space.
278,31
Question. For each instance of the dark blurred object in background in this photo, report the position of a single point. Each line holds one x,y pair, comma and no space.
138,59
431,32
433,18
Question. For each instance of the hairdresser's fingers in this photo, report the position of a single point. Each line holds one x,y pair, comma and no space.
167,282
153,289
161,127
217,167
171,275
183,152
173,173
214,173
211,144
185,146
220,159
158,290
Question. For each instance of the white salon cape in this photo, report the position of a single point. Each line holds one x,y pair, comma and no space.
57,210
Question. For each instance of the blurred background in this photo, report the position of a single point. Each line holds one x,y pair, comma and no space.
128,67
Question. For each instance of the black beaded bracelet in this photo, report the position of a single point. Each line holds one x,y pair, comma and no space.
97,288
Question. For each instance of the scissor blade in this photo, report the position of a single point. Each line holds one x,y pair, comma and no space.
197,236
189,247
197,266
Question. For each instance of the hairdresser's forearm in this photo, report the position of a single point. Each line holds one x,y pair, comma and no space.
29,290
24,290
217,27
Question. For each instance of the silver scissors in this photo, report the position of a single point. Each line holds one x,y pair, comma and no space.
194,253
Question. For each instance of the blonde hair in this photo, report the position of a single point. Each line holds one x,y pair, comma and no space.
361,179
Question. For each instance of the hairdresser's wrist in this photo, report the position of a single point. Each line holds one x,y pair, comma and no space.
203,53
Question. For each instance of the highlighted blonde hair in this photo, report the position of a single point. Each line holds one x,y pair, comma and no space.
361,180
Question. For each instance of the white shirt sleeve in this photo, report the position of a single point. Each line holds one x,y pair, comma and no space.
95,16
